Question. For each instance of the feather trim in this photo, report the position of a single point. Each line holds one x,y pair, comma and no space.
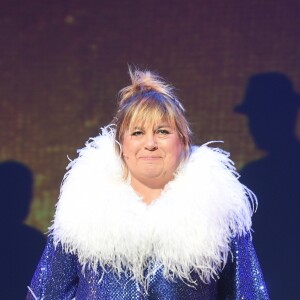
188,228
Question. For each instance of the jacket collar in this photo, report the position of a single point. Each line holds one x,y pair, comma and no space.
189,227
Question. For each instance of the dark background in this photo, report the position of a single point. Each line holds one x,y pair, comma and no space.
63,61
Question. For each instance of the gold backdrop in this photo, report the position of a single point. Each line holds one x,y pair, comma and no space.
63,61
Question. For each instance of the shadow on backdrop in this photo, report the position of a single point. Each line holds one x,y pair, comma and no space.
271,106
21,245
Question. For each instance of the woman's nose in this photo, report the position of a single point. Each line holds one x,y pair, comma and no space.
150,143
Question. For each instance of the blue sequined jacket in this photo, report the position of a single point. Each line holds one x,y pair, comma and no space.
59,276
192,242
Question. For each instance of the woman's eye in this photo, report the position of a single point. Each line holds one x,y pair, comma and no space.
163,131
136,133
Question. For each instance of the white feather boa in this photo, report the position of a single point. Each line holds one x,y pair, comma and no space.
189,227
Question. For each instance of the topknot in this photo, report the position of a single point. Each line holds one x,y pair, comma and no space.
143,82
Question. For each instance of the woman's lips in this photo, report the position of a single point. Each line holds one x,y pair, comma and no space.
150,158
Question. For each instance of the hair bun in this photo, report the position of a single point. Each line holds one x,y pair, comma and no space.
143,82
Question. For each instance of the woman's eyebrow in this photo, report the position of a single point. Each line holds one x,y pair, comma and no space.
136,128
164,126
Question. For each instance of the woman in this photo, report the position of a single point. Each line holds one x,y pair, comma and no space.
144,215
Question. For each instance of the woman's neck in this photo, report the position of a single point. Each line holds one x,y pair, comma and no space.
148,192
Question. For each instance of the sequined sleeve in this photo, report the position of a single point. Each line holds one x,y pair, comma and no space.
56,275
242,277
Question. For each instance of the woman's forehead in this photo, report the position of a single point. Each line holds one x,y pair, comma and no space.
153,124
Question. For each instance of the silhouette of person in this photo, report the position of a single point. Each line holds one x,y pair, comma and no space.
271,105
21,245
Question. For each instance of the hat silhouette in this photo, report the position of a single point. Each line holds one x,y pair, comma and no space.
266,91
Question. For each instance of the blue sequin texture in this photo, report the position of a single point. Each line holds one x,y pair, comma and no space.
59,276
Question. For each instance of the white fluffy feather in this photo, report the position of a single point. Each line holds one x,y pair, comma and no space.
189,227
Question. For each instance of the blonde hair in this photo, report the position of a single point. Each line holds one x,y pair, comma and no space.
147,101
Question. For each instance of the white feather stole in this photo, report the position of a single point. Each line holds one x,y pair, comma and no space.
188,228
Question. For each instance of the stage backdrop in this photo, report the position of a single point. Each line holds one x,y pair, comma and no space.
63,61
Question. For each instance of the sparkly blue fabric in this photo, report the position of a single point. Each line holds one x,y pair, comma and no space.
59,276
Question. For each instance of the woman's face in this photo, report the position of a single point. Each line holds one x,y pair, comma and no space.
152,154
